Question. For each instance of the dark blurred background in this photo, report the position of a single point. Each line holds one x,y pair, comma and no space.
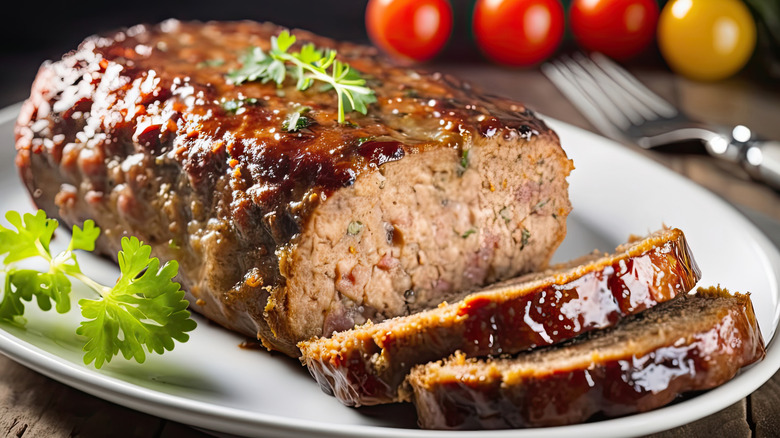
35,31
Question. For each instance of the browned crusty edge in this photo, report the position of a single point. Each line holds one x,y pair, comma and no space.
365,365
286,235
694,342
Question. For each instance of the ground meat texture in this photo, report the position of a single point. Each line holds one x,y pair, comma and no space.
366,365
289,235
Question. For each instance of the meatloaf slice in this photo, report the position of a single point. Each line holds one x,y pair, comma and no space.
285,235
365,365
694,342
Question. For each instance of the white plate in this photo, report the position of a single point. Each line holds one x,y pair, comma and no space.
211,383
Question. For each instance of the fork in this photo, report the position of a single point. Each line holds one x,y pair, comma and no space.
622,108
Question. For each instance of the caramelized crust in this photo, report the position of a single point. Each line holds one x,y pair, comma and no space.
694,342
141,131
365,365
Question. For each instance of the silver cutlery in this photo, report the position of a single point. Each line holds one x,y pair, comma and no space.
622,108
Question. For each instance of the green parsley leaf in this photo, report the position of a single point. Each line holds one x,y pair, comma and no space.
309,54
254,66
31,238
46,287
295,121
11,307
282,42
145,308
307,66
81,239
84,238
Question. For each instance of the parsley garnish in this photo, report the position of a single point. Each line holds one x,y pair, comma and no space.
145,309
233,105
306,66
295,121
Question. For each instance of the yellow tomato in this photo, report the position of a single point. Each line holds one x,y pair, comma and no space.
706,39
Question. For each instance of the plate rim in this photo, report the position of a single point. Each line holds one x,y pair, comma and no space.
231,420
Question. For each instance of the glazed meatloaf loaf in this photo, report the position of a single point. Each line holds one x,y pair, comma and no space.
365,365
288,234
694,342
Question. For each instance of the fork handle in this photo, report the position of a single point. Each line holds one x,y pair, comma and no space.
761,159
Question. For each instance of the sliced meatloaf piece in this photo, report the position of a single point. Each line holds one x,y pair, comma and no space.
365,365
285,235
694,342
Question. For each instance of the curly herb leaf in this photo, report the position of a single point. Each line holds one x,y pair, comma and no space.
145,308
147,311
46,287
306,66
31,238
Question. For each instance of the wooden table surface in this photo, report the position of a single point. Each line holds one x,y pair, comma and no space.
32,405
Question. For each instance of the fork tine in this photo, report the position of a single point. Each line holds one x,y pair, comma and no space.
636,88
604,92
633,108
561,76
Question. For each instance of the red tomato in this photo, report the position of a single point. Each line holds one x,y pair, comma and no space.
409,29
617,28
518,32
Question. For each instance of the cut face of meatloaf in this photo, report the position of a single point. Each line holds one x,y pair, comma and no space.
285,235
365,365
694,342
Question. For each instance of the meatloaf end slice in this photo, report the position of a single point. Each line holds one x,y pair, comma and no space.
365,365
287,234
694,342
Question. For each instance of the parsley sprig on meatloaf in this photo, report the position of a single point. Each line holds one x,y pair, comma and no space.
308,65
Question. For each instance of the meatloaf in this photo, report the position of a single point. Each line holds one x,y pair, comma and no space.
284,234
365,365
694,342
